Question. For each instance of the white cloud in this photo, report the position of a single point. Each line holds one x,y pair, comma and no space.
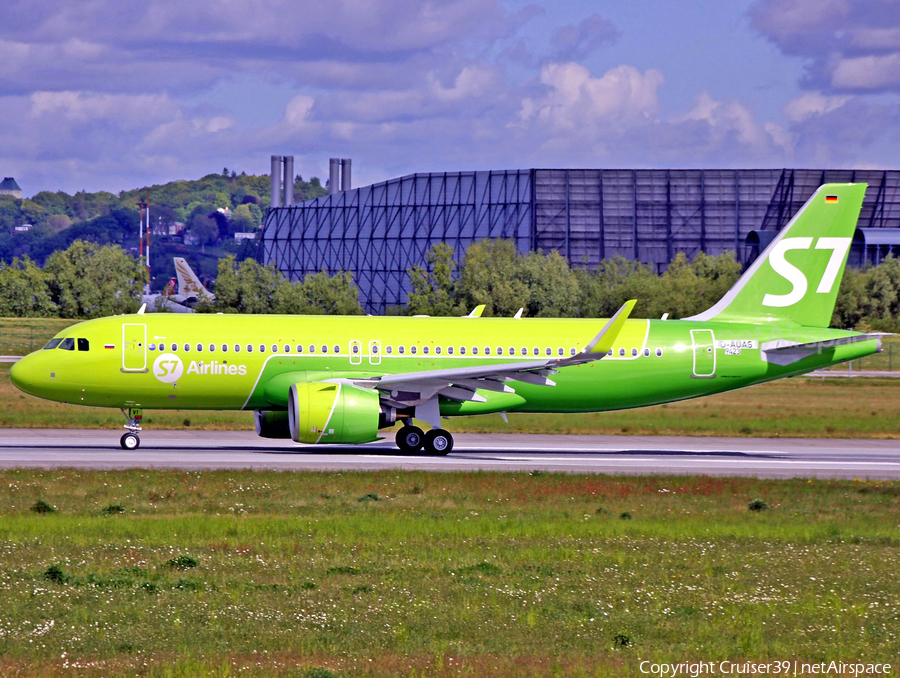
574,101
731,120
812,104
867,73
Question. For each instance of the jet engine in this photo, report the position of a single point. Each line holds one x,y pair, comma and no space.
331,412
272,424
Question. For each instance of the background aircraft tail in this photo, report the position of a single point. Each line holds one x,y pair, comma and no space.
189,284
796,278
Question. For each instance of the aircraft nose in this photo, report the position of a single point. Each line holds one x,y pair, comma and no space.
22,375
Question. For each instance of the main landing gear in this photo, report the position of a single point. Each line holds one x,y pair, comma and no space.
131,440
437,442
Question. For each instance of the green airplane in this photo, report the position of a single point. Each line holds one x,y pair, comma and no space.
320,379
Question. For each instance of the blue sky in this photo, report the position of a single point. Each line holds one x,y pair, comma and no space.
115,94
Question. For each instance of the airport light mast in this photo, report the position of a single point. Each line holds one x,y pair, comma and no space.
144,245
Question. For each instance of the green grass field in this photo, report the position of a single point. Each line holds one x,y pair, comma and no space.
417,574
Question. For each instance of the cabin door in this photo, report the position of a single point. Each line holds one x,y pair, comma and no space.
134,347
704,344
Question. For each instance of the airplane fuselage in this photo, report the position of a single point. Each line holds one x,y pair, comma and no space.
232,362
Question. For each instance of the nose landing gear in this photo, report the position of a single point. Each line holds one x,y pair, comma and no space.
131,440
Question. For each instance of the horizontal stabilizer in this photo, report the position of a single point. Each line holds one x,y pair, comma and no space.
783,352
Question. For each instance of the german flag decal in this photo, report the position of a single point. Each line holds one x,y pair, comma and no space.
830,198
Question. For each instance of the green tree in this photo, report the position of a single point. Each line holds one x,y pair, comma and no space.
24,291
89,281
554,290
205,229
319,294
488,276
247,287
244,219
432,287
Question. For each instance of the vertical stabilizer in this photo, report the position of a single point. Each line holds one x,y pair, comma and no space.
189,284
796,278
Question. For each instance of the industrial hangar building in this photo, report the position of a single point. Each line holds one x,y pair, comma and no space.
378,232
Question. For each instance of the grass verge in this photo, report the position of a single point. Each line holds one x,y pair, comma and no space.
264,573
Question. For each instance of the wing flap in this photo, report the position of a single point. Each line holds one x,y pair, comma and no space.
460,383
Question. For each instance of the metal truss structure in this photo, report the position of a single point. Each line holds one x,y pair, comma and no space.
378,232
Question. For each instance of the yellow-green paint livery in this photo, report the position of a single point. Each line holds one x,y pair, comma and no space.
339,379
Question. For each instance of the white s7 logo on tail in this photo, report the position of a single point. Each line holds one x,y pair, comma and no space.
838,247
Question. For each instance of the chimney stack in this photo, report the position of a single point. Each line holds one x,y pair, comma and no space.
334,175
345,174
275,178
288,180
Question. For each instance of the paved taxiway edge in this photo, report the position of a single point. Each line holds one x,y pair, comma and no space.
200,450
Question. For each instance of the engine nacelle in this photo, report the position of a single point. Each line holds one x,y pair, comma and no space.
327,412
272,424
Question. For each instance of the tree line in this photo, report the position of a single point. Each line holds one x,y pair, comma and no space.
495,273
57,219
88,280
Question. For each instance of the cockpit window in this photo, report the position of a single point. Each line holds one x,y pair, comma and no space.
67,344
53,343
84,345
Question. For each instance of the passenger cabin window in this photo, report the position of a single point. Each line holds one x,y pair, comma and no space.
187,347
462,350
299,348
646,352
337,349
487,350
449,350
425,350
621,352
524,351
413,349
174,347
560,352
312,348
499,351
262,348
324,348
474,350
67,344
249,348
512,350
401,349
572,351
287,349
548,351
212,348
274,348
537,351
437,350
388,349
224,348
237,348
53,343
83,345
199,348
634,353
659,353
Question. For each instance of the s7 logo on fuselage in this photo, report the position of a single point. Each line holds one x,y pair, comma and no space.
797,278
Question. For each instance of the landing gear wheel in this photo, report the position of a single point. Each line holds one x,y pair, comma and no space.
130,441
438,442
409,439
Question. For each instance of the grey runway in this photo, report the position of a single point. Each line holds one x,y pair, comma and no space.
196,450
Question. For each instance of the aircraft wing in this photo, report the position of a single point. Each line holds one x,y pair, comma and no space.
417,388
